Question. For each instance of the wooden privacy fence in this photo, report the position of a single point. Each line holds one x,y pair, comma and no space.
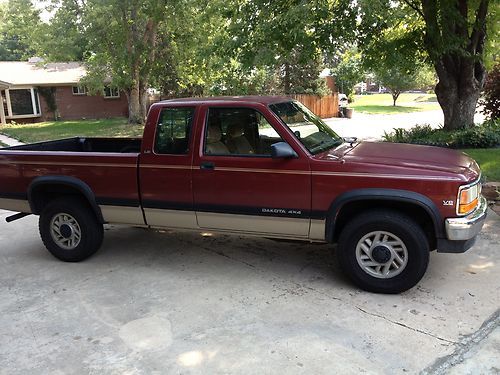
323,106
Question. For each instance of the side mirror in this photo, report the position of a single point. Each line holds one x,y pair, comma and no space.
282,150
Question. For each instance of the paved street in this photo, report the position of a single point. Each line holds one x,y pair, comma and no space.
158,302
372,127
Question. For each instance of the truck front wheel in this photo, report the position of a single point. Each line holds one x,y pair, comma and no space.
70,230
383,251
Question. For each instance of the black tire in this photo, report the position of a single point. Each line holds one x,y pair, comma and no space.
402,228
90,231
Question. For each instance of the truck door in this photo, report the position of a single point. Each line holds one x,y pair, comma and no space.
238,186
165,168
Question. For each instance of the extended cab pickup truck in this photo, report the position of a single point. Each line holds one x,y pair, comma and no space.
263,166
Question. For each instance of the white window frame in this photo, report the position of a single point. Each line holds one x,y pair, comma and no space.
80,90
10,116
111,92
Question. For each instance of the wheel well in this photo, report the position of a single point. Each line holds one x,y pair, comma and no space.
414,211
41,195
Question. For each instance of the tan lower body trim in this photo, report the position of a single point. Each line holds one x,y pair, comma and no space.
265,225
278,227
122,215
171,218
16,205
317,230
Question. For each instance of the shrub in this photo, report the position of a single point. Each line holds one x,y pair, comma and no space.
480,136
491,100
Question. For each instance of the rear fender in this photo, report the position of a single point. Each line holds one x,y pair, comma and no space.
37,191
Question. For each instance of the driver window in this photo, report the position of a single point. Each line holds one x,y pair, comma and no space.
238,131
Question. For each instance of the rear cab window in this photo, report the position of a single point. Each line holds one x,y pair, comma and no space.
173,131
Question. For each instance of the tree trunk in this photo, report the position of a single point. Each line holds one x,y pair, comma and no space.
286,79
460,69
395,96
458,104
144,100
458,91
134,106
135,113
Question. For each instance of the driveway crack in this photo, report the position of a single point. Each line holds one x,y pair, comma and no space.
467,343
383,317
406,326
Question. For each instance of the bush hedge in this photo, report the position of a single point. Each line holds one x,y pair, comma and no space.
485,135
491,94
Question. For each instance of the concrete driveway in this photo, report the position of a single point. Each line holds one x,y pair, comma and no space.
154,302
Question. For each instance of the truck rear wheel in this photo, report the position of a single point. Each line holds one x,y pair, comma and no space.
70,230
383,251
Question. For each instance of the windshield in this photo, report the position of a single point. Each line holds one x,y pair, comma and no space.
309,129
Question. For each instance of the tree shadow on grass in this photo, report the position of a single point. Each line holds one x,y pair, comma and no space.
386,109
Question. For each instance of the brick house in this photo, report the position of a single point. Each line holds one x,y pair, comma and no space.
29,92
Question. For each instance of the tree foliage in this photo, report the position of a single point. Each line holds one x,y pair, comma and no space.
19,26
395,58
123,37
491,100
204,47
65,36
284,38
348,71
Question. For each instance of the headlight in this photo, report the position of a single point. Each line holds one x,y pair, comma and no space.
468,198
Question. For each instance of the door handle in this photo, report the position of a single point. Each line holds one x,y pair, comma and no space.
207,165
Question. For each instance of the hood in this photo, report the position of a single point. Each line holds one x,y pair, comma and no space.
409,156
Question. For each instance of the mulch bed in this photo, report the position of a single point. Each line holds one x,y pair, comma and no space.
491,191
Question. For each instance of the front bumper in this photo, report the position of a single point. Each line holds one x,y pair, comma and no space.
467,227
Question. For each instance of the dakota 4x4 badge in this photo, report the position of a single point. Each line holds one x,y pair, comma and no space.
281,211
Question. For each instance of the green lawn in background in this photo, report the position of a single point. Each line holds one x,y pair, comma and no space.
44,131
382,103
489,160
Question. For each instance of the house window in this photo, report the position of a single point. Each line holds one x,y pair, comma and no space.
79,90
111,92
23,102
4,102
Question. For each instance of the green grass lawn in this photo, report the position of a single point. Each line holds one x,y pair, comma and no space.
382,103
44,131
489,160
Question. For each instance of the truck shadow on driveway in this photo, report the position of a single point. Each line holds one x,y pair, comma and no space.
219,253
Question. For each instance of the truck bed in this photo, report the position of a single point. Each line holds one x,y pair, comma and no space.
82,144
105,166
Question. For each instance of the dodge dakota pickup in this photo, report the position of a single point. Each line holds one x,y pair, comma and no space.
261,166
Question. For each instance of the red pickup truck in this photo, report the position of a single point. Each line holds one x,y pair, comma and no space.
263,166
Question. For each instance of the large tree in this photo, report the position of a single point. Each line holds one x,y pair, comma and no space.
123,38
454,38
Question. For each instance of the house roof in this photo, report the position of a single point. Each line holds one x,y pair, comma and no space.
29,73
4,85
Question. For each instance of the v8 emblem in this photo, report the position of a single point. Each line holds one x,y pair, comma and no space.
447,203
